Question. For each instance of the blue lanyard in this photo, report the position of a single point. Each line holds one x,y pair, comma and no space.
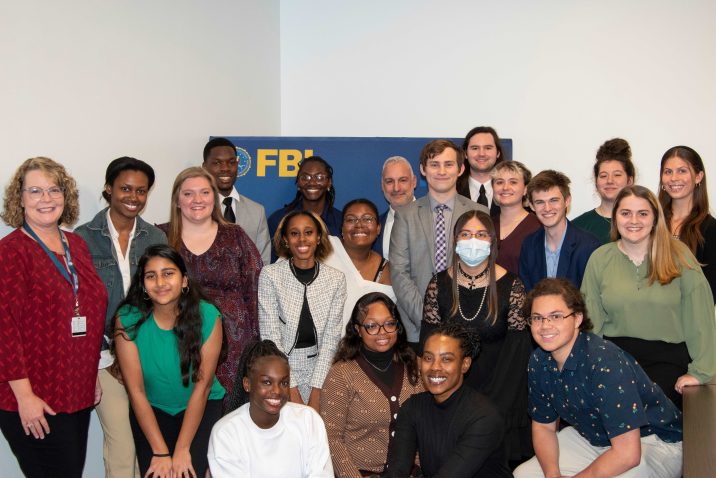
61,268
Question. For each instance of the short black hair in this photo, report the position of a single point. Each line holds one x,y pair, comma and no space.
468,338
125,163
215,143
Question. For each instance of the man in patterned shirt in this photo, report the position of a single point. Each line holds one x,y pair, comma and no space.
621,423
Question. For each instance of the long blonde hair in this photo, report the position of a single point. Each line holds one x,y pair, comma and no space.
175,219
667,256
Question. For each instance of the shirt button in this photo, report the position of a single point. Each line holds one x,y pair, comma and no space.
393,398
392,434
395,415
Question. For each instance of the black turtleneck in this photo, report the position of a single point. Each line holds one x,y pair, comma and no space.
380,362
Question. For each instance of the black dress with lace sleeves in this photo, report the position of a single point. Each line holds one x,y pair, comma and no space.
500,370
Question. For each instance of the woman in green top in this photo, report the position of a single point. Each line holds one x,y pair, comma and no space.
647,294
612,171
172,339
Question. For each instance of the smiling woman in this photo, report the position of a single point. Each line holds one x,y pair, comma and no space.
52,318
220,257
647,294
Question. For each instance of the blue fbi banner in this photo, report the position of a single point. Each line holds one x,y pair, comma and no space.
268,165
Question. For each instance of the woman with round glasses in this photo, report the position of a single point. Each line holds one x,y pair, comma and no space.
646,293
484,297
51,321
365,270
315,193
685,199
373,373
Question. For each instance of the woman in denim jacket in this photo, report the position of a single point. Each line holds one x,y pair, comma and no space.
117,238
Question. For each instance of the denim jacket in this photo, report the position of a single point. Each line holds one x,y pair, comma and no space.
99,241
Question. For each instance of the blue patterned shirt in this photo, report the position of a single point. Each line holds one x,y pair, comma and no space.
601,391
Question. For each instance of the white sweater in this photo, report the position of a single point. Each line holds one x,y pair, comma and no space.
296,447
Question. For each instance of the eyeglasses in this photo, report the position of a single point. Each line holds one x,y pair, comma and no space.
374,329
555,318
367,220
35,193
465,235
319,178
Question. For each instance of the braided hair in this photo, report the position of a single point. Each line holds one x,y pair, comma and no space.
253,351
468,338
330,194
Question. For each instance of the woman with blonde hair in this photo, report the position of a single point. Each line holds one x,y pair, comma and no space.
646,293
220,257
52,316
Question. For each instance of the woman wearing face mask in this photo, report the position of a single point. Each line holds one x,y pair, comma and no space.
485,297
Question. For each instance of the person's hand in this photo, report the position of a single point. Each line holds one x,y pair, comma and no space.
686,380
295,395
115,371
32,411
160,467
97,392
181,464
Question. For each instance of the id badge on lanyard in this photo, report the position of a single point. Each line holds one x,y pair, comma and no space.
78,323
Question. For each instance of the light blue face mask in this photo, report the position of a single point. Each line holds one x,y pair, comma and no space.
472,251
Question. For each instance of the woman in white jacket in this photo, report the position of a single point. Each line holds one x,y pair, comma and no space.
301,303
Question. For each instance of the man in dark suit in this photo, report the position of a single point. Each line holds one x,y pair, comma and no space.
558,249
220,160
398,184
483,151
422,238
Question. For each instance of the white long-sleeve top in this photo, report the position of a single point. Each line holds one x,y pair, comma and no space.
295,447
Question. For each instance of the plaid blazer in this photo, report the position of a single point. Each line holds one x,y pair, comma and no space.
280,303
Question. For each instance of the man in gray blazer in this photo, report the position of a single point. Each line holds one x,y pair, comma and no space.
220,160
422,238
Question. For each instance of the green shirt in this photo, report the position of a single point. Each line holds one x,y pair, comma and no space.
159,358
599,226
621,303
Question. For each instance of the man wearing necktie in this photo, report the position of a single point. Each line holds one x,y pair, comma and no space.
220,160
482,150
421,242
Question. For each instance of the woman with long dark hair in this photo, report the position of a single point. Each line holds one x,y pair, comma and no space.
486,298
265,435
373,373
685,199
646,293
314,193
168,340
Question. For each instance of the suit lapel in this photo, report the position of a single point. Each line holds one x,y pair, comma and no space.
425,216
565,255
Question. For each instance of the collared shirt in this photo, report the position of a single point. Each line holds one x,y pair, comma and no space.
552,257
601,391
122,259
475,189
236,200
447,214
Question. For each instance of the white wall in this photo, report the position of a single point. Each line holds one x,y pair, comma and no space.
559,77
85,82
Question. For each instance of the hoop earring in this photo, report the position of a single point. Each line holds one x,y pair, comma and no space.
185,290
146,296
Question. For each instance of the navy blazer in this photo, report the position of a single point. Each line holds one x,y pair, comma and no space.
378,244
578,245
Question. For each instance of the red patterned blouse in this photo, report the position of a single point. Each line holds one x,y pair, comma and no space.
36,308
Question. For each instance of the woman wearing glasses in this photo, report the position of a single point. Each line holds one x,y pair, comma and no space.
353,254
485,297
315,193
52,315
647,294
373,373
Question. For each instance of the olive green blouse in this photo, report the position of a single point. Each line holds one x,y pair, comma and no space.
621,303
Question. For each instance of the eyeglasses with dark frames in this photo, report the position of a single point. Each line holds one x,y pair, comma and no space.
389,326
554,318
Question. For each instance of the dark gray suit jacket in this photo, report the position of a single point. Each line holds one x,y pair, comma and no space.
412,256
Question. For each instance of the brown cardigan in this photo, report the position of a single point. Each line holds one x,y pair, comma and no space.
359,412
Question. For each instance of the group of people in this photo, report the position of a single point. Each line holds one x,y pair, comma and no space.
444,337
